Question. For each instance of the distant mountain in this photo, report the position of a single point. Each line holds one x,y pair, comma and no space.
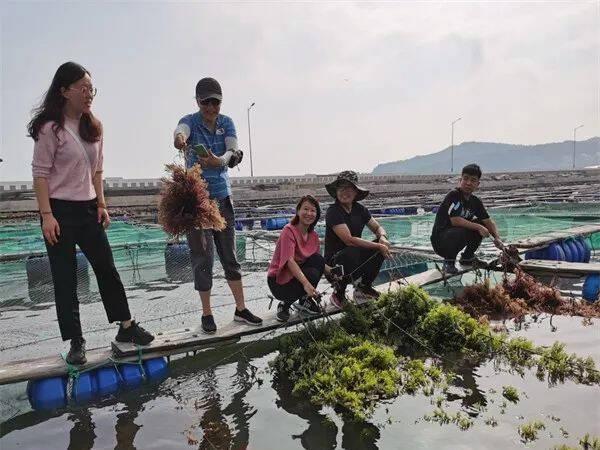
494,157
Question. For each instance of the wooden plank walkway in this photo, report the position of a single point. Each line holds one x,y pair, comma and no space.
546,239
181,340
563,268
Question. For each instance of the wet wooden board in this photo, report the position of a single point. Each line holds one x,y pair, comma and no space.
54,366
538,241
559,267
186,338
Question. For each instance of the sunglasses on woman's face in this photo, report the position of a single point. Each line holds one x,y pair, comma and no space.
210,101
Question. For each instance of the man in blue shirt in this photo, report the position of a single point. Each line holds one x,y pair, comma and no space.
217,133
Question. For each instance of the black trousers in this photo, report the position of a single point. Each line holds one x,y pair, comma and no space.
358,263
79,225
288,293
449,242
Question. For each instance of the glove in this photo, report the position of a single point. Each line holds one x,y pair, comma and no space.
235,159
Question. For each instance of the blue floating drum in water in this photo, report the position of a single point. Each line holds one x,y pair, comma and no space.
555,253
577,256
131,374
541,253
276,223
108,379
580,250
85,387
567,250
49,393
591,287
156,368
587,247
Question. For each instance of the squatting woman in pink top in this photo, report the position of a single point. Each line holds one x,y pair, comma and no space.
297,265
67,177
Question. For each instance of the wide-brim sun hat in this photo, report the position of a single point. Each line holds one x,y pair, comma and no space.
347,176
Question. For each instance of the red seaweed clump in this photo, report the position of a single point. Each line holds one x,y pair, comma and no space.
518,296
185,204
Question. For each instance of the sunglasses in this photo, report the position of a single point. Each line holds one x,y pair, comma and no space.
210,101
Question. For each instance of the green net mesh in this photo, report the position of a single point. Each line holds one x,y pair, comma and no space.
158,277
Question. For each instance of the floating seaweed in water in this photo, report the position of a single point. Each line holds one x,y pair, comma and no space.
355,364
518,296
185,204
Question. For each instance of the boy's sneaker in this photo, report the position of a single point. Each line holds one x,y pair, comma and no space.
134,334
246,316
208,324
76,355
283,312
308,305
338,299
449,267
366,290
473,261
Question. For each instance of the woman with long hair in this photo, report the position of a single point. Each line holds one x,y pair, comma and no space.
67,178
297,265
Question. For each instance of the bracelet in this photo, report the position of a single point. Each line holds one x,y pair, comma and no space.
45,212
101,205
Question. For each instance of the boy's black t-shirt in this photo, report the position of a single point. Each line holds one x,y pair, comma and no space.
356,220
456,204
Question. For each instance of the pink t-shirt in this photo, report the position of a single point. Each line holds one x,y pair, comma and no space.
291,242
62,162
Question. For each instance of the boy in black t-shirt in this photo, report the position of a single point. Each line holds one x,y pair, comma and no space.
462,221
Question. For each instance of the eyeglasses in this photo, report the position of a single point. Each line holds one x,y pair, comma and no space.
211,101
86,90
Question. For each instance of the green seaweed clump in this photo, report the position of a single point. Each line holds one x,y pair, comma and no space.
448,329
529,431
510,393
555,364
354,375
442,417
585,443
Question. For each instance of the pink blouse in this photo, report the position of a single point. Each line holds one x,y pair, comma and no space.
291,242
62,162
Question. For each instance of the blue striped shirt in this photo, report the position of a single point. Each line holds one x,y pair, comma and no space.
217,178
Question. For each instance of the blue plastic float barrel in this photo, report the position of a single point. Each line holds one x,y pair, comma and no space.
555,253
131,375
276,223
156,368
591,287
108,380
574,250
567,250
85,387
48,393
580,249
587,249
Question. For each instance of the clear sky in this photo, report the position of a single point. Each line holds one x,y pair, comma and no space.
337,85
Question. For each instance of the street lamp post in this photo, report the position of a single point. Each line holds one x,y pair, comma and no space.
575,143
250,141
452,147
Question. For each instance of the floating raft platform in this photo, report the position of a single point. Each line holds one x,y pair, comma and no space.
560,268
535,242
183,340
